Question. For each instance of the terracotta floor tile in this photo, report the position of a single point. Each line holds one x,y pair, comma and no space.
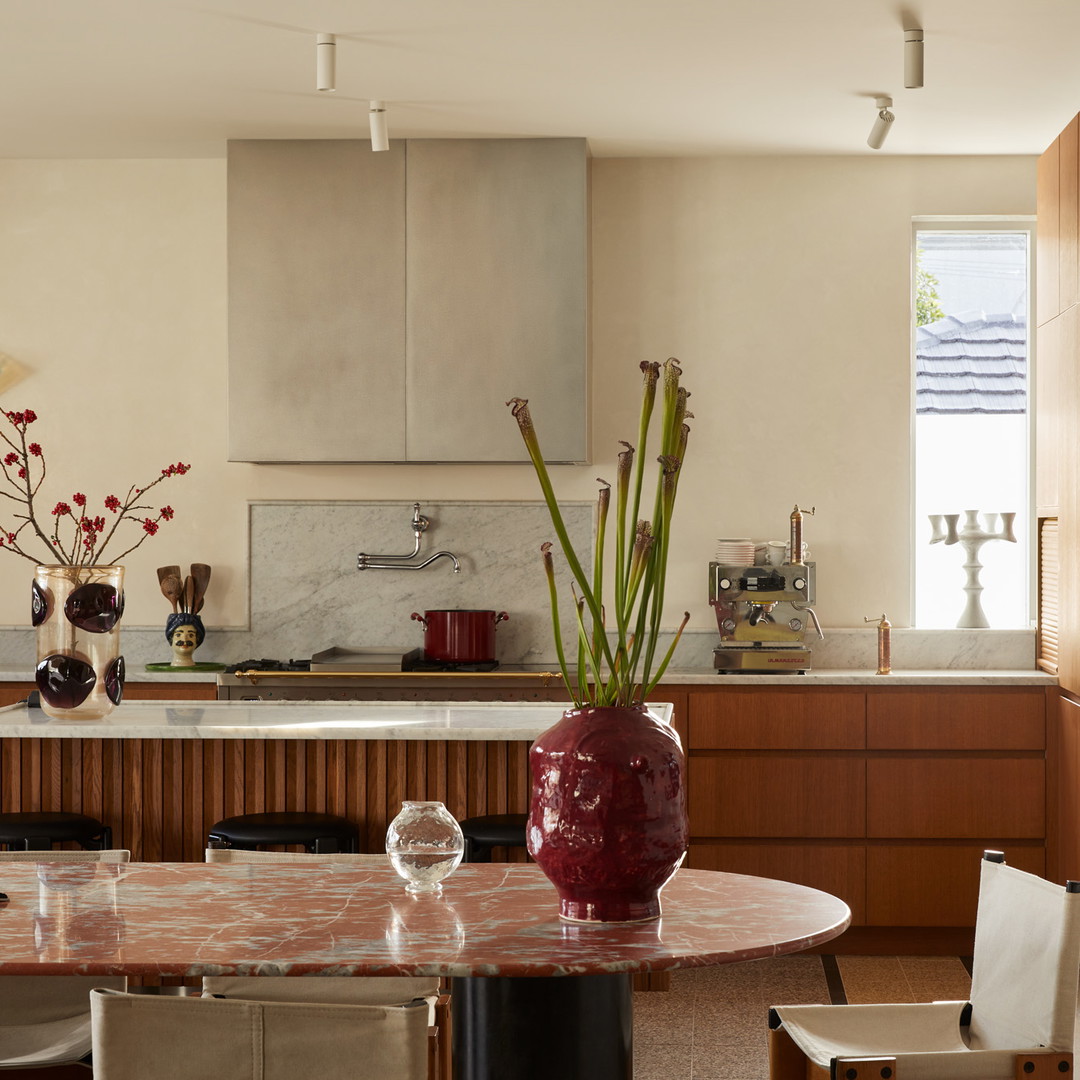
874,980
712,1024
662,1061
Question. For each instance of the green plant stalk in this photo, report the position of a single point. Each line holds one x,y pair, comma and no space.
549,570
670,469
640,569
596,694
648,689
622,491
528,433
602,502
651,372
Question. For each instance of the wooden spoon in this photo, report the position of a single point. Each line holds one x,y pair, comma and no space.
171,588
200,576
164,572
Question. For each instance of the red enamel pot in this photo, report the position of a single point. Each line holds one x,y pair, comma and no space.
460,636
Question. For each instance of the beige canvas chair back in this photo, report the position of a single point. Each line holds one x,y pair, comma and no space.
339,990
107,856
236,855
136,1036
1027,954
45,1019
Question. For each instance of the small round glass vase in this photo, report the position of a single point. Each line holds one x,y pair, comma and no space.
424,844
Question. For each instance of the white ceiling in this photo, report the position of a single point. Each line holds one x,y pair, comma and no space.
164,78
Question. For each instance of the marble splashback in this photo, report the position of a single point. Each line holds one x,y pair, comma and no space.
307,594
855,648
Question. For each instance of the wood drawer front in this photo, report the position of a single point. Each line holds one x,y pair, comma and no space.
915,885
1007,718
955,797
777,795
758,719
839,869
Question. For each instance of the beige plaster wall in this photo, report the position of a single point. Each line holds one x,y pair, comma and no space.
781,283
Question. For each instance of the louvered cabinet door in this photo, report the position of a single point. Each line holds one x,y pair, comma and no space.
1049,627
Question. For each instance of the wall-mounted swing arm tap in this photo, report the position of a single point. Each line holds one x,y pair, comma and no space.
420,525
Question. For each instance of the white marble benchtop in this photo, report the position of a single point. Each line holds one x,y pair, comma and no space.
298,720
865,677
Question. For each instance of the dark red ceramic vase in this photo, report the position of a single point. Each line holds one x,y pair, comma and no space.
607,816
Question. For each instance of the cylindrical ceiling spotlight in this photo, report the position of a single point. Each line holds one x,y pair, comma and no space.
377,122
913,59
325,62
882,124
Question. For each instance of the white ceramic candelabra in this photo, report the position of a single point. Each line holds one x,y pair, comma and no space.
971,537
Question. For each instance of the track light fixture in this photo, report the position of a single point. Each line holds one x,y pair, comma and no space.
325,62
913,59
882,124
377,122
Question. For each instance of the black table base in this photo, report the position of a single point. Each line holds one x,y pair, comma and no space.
573,1026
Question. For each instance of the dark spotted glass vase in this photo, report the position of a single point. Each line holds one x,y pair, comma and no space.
76,613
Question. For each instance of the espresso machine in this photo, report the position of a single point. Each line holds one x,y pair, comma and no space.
764,610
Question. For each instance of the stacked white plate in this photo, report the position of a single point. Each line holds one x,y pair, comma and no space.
739,552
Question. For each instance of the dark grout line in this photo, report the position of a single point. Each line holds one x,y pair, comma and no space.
833,980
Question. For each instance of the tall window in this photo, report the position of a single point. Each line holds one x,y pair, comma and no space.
972,434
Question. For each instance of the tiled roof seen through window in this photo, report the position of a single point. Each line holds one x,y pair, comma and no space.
971,363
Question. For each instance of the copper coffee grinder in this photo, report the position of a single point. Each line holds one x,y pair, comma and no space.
764,610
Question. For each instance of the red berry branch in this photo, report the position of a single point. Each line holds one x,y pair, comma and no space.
74,538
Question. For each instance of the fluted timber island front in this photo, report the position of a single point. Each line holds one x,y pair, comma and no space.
161,773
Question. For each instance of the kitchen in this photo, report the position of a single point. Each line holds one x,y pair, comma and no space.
755,267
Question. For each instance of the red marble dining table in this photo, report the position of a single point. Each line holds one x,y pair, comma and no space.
532,995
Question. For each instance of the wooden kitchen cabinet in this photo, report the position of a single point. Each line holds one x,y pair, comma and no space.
1057,402
999,798
411,293
884,797
1003,718
933,885
11,692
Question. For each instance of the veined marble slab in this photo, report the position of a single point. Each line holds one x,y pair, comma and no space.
299,720
195,919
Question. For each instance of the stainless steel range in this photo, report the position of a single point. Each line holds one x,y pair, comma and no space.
383,675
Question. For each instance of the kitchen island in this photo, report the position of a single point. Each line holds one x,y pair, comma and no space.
161,773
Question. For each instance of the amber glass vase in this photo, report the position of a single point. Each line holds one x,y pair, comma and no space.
76,613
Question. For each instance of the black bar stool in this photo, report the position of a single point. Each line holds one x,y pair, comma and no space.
40,830
489,831
318,833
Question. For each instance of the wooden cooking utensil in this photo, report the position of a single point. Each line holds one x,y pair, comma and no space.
200,577
172,588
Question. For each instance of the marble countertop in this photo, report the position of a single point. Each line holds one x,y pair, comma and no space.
680,677
867,677
324,720
196,919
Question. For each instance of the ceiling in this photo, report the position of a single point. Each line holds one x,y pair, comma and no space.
165,78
